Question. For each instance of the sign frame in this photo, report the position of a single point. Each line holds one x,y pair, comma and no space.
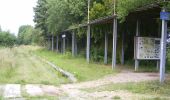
138,51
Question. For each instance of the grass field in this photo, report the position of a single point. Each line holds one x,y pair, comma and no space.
18,65
78,66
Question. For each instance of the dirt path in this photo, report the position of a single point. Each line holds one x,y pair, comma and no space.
123,77
75,92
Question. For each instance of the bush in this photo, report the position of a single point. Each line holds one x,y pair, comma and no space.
7,39
97,55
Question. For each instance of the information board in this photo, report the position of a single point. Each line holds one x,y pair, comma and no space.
147,48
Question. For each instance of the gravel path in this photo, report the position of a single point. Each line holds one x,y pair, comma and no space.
74,92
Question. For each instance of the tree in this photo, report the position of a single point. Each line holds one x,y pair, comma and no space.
25,34
63,14
7,39
37,37
29,35
41,15
124,7
54,16
97,11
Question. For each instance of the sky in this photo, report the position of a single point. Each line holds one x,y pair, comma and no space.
14,13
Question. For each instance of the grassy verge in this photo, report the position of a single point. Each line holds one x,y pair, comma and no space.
153,88
41,98
18,65
78,66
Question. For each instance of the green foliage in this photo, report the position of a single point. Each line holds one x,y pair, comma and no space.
97,11
28,35
41,15
54,16
168,6
97,54
7,39
101,9
25,34
124,7
58,11
116,98
63,14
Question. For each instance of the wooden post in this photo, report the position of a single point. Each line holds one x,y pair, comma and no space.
163,50
88,45
137,34
123,41
57,46
114,43
106,48
73,43
52,43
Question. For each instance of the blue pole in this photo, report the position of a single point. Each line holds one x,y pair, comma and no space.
163,50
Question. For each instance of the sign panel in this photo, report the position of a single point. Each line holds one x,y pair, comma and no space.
63,36
165,15
147,48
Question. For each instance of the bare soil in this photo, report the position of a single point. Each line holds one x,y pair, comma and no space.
75,92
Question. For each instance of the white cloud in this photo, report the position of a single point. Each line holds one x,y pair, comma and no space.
14,13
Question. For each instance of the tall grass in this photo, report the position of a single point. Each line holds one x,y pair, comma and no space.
7,63
19,65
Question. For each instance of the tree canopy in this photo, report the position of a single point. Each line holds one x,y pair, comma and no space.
54,16
7,39
28,35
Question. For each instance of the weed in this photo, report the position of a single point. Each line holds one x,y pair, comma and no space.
19,65
116,98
